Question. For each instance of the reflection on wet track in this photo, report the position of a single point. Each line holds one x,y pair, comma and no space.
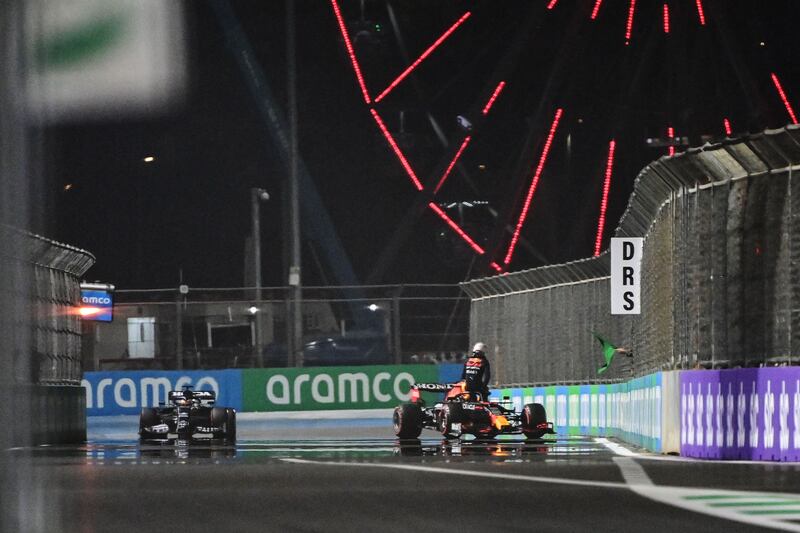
354,476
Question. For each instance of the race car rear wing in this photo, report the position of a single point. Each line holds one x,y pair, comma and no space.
202,395
434,387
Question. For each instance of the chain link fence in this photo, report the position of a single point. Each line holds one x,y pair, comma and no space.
720,273
231,328
41,284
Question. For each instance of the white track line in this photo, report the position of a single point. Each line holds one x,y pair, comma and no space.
473,473
760,509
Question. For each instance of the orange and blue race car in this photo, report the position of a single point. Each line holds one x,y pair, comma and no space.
462,412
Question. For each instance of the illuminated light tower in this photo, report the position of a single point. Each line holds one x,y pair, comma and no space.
784,98
727,124
350,51
422,57
629,25
666,18
700,13
596,9
534,183
604,202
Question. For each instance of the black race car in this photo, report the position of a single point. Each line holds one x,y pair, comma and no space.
187,413
462,412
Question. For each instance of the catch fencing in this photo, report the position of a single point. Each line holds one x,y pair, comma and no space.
720,276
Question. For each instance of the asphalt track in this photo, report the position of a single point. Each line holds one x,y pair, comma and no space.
289,474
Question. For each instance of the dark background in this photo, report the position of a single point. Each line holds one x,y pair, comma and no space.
189,210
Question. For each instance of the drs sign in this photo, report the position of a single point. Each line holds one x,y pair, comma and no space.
626,266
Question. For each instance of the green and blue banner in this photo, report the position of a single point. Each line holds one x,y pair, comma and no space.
275,389
631,411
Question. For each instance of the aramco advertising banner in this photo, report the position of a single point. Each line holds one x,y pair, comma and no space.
125,393
277,389
748,413
631,411
353,387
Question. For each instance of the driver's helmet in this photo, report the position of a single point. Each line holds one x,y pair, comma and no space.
479,349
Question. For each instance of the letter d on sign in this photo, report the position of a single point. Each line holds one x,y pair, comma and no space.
626,267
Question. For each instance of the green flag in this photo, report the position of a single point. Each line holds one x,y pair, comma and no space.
608,352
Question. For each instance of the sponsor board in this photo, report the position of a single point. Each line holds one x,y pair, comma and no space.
631,411
126,392
747,413
353,387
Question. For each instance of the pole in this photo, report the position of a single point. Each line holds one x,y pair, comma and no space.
295,279
256,196
178,331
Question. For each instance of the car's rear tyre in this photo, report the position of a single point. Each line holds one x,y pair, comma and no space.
148,417
452,413
230,427
407,421
533,414
224,418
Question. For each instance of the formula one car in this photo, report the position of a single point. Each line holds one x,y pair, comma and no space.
187,413
462,412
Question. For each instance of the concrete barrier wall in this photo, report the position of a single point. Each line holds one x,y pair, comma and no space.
748,413
640,411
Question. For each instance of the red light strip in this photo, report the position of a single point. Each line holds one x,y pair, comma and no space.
397,151
494,96
727,124
666,18
552,4
350,51
700,12
421,58
542,159
671,135
596,9
452,163
601,224
629,26
784,98
495,266
461,233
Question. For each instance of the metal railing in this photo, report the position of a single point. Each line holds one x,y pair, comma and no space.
720,275
218,327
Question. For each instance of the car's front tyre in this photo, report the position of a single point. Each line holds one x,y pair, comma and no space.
407,421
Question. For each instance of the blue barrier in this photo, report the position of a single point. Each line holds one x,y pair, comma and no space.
126,392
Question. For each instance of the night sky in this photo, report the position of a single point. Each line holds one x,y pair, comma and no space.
189,209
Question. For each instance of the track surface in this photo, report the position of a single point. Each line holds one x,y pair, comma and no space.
295,475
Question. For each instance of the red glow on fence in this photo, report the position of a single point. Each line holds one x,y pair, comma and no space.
629,25
455,227
350,51
783,96
397,151
596,9
700,12
534,183
666,18
604,202
422,57
452,164
552,4
671,135
727,124
494,96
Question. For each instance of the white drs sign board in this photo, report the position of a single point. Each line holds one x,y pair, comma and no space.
626,267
